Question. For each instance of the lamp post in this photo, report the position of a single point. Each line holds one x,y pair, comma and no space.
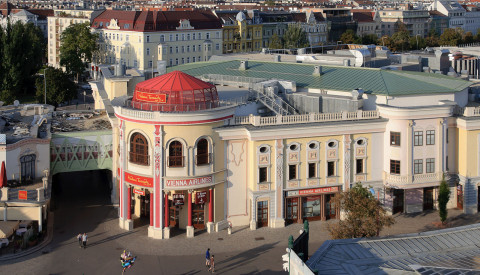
45,83
85,103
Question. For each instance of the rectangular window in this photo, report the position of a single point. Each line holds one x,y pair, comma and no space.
148,38
331,169
418,138
194,59
262,174
292,171
447,135
193,48
200,36
418,166
395,167
171,62
176,37
171,37
430,165
183,36
193,36
430,137
217,47
359,166
188,36
171,49
395,138
312,170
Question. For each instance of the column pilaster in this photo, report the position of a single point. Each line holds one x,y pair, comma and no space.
190,229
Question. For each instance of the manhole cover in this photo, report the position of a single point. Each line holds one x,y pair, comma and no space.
259,239
220,239
119,248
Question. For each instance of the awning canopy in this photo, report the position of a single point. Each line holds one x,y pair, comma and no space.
7,228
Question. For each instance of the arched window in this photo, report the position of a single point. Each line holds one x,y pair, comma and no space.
202,152
27,167
139,149
175,154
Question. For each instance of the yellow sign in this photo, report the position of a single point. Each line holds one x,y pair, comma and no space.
148,97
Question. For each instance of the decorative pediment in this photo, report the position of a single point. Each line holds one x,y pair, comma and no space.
185,25
113,25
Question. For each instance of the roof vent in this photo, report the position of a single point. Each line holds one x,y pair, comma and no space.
243,65
317,70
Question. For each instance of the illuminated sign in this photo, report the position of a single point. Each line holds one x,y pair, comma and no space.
200,197
154,98
303,192
22,195
189,182
139,192
139,180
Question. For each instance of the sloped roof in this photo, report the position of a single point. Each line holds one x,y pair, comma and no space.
42,13
150,21
443,250
363,16
371,80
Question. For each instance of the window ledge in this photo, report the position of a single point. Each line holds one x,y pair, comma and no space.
265,182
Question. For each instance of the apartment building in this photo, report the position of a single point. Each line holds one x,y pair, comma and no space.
140,39
416,21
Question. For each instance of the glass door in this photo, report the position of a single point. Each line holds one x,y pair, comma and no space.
198,216
262,213
292,210
330,209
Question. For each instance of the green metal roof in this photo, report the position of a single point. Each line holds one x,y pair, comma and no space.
371,80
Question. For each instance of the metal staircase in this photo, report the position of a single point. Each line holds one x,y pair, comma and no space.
273,102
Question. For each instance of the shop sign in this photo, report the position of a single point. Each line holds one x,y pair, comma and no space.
139,192
189,182
201,197
178,199
154,98
139,180
22,195
312,191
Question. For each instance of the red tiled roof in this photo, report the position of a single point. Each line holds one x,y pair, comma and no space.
299,17
150,21
362,16
42,14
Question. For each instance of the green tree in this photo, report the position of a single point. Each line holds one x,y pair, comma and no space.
369,39
417,42
386,41
349,37
22,51
443,197
364,216
468,38
477,36
60,87
451,37
275,42
401,40
295,37
77,48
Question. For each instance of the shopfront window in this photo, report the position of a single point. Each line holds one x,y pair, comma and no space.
139,149
175,151
202,152
311,207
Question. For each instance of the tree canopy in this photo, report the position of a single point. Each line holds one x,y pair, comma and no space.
60,87
349,37
451,37
364,216
275,42
295,37
443,197
78,45
22,49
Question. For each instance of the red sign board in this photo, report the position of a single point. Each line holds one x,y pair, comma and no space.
139,192
178,199
318,190
22,195
201,197
139,180
153,98
189,182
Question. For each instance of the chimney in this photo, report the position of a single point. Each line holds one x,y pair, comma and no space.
317,71
243,65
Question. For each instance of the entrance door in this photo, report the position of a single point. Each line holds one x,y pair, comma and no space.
173,216
398,197
198,216
262,213
428,198
330,210
292,210
459,196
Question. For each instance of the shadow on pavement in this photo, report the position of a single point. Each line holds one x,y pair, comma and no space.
244,257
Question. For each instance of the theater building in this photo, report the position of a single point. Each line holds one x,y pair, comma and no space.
171,167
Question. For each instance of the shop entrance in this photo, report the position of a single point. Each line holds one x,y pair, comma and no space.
428,198
459,196
312,208
262,213
199,216
398,199
330,209
173,213
292,210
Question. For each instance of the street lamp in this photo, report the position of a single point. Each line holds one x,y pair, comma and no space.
84,93
45,84
383,42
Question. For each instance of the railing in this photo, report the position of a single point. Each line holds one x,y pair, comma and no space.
141,159
175,161
467,111
203,159
309,118
413,179
146,110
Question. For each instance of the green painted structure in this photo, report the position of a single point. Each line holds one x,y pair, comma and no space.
80,151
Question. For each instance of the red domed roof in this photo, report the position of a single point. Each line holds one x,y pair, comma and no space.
175,91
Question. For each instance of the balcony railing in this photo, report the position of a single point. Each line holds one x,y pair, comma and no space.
176,108
203,159
467,111
308,118
414,179
175,161
141,159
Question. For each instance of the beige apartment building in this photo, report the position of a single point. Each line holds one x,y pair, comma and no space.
416,21
140,39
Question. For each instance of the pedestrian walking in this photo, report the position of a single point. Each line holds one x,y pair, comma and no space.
207,258
212,265
79,237
84,240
